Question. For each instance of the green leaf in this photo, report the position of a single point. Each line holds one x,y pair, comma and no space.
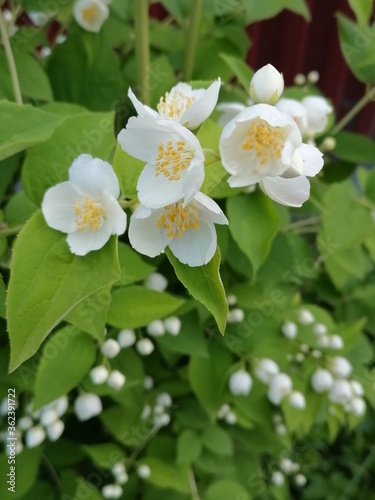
128,170
53,379
24,126
217,440
189,447
253,223
355,148
133,267
240,70
105,455
26,467
135,306
47,164
19,209
2,297
225,490
58,279
362,10
166,475
204,283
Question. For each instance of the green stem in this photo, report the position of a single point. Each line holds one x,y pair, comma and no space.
192,39
193,486
52,472
130,461
301,223
8,231
142,49
355,110
10,59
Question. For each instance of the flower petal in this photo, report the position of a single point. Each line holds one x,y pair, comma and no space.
90,14
245,178
290,192
115,215
57,206
201,109
209,209
157,191
196,247
312,160
83,242
229,111
93,176
144,234
142,110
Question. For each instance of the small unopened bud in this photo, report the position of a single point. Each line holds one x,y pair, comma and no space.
24,423
306,317
231,299
277,478
112,491
321,380
281,430
172,325
118,468
144,471
55,430
358,406
280,386
110,348
126,338
323,341
300,357
297,400
7,15
87,406
162,420
156,328
99,375
240,383
164,400
328,144
320,329
267,85
148,383
287,466
156,281
146,412
341,392
300,79
289,330
235,316
313,76
340,367
144,347
122,478
223,411
300,480
35,436
231,418
48,416
116,380
265,370
61,405
357,388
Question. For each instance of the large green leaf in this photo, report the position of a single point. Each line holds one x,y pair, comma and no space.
2,297
362,10
189,446
55,377
217,440
354,148
240,70
135,306
26,467
47,281
165,475
127,169
47,164
133,267
24,126
204,283
253,223
225,490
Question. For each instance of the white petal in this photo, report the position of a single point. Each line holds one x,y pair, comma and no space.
142,110
209,209
196,247
83,242
98,13
93,176
244,179
290,192
312,160
57,206
157,191
229,111
144,234
294,108
114,214
201,109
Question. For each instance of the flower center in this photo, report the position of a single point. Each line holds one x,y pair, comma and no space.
173,158
173,105
177,219
266,141
90,214
90,13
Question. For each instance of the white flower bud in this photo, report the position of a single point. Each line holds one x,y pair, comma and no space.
156,328
280,386
126,338
144,347
162,420
223,411
320,329
99,375
45,52
61,405
35,436
144,471
39,19
146,412
357,388
328,144
321,380
164,400
116,380
304,348
4,407
341,392
265,370
60,38
287,466
24,423
48,415
313,76
55,430
240,383
87,406
336,342
300,480
297,400
118,468
148,383
289,330
277,418
235,316
231,418
340,367
18,447
316,354
300,79
172,325
112,491
267,85
122,478
231,299
110,348
277,478
306,317
281,429
317,110
300,357
358,406
156,281
90,15
7,15
323,341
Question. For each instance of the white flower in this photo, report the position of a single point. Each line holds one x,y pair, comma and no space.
144,471
25,422
305,317
182,104
164,399
240,383
87,406
323,341
297,400
358,406
38,18
122,478
317,111
229,111
61,404
144,347
265,370
48,416
263,145
86,207
287,466
235,315
126,338
280,386
300,357
174,160
116,380
277,478
148,383
162,420
99,375
146,412
188,230
296,110
172,325
223,411
112,491
231,299
340,367
357,388
55,430
300,480
313,76
118,468
341,392
156,281
35,436
336,342
156,328
289,330
231,418
110,348
320,329
90,14
321,380
267,85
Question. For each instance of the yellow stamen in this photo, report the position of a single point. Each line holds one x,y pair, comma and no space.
174,104
90,214
172,159
266,141
90,13
177,219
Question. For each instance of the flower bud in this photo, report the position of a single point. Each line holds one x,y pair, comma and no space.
156,328
300,79
289,330
24,423
231,418
90,15
300,357
323,341
144,347
144,471
306,317
55,430
357,388
277,478
358,406
223,411
328,144
146,412
61,404
320,329
297,400
265,370
118,468
340,367
112,491
148,383
48,416
287,466
280,386
116,380
321,380
164,400
122,478
162,420
231,299
172,325
87,406
281,430
317,109
313,76
110,348
156,281
240,383
35,436
341,392
235,316
336,342
99,375
267,85
315,353
126,338
300,480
